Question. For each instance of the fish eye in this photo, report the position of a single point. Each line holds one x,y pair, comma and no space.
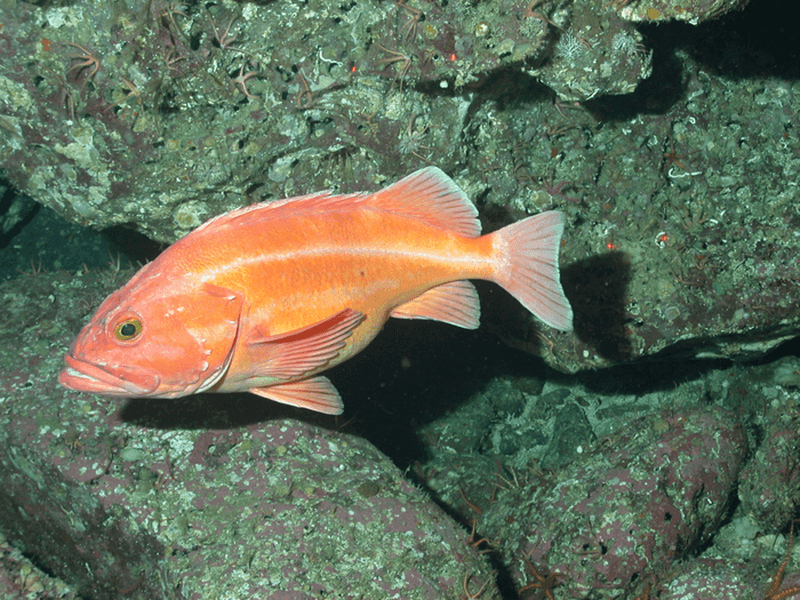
127,329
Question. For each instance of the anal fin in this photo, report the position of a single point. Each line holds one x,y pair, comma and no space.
316,393
456,303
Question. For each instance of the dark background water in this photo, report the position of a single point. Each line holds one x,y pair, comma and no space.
44,241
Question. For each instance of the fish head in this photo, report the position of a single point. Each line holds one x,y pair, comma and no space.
158,341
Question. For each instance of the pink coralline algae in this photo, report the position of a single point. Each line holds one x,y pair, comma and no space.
649,494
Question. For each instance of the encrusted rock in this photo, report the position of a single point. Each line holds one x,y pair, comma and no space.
645,497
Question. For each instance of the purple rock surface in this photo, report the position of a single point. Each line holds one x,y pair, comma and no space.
656,489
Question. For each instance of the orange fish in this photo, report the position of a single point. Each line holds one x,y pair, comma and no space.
265,297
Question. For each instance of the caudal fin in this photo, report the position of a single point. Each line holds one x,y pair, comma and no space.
528,267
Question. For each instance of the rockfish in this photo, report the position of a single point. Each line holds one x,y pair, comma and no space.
265,297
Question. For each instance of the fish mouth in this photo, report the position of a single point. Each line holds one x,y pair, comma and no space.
87,377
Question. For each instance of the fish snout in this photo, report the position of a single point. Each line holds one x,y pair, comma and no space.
108,380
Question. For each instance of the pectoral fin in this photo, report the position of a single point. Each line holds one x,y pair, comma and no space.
316,394
294,353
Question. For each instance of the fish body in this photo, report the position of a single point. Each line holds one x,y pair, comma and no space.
266,297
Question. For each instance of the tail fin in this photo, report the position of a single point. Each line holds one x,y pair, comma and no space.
528,267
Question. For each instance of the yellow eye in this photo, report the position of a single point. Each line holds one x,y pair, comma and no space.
128,329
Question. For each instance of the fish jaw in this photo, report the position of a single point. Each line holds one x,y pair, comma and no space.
83,376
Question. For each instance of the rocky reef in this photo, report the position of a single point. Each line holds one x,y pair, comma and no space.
658,458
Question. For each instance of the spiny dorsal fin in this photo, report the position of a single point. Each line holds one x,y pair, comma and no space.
276,209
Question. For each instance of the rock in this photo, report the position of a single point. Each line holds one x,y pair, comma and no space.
642,499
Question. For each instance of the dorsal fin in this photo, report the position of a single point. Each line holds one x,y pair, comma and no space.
428,195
